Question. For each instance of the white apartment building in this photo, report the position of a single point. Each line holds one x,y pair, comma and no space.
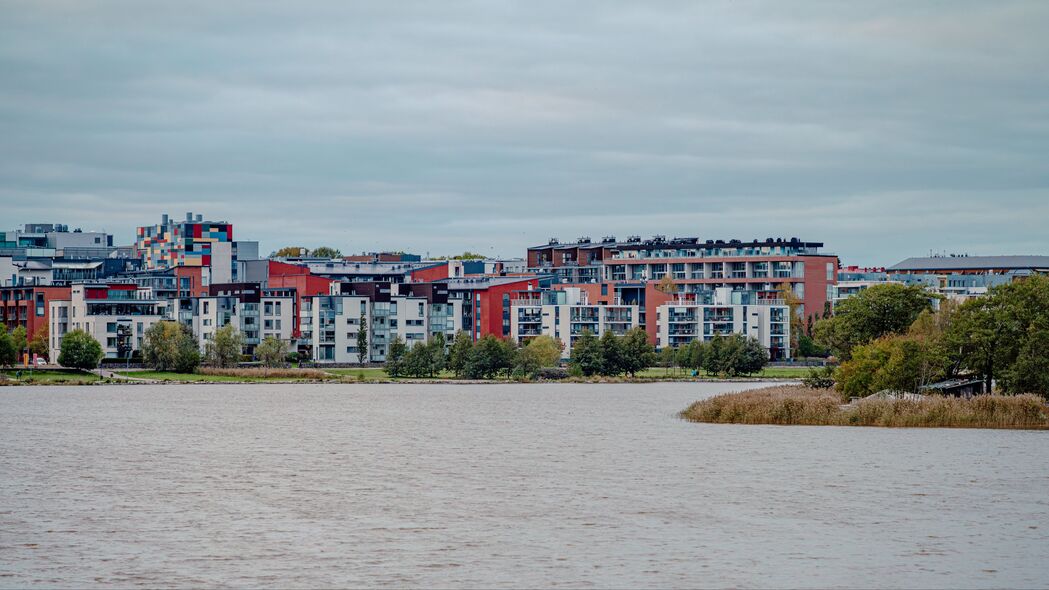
768,322
564,315
116,315
256,312
414,312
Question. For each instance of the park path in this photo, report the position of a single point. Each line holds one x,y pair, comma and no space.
107,374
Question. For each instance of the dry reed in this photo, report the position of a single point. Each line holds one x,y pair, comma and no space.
789,405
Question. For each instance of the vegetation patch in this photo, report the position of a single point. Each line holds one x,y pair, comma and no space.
799,405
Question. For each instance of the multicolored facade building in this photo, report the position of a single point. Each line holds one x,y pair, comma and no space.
181,243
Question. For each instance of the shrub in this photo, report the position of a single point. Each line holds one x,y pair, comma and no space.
552,373
821,378
80,350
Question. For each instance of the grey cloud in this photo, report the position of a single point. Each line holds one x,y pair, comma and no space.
885,129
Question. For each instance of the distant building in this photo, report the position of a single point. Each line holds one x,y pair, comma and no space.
965,277
564,314
767,321
116,315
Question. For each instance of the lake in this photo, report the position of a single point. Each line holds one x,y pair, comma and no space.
498,486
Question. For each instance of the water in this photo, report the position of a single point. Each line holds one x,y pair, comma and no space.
497,486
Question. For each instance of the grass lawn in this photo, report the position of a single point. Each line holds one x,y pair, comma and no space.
766,373
47,376
377,373
196,377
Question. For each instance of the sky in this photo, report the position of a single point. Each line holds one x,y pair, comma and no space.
883,129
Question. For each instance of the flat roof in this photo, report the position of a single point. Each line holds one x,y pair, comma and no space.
1019,262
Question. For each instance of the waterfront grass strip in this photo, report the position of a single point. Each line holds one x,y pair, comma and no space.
796,405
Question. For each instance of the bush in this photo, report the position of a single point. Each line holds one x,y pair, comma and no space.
80,350
552,373
821,378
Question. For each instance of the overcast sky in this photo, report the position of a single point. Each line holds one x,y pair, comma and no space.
884,129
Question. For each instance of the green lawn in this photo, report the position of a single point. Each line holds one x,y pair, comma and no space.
196,377
48,376
375,373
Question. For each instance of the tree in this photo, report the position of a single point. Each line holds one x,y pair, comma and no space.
488,357
395,357
459,353
668,358
438,353
8,354
586,353
794,307
872,313
417,361
289,252
637,351
613,358
170,346
464,256
272,352
39,344
690,356
1030,372
667,286
225,348
80,351
325,252
362,339
541,351
734,355
18,340
994,333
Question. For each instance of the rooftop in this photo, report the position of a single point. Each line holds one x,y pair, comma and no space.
1022,262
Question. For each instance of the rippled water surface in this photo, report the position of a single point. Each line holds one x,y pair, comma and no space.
510,485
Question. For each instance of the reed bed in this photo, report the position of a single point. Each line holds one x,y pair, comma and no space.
267,373
798,405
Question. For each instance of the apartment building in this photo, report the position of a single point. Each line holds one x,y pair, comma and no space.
256,312
328,324
485,302
564,314
727,312
116,315
28,307
631,271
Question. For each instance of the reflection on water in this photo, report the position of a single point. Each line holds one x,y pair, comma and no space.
510,485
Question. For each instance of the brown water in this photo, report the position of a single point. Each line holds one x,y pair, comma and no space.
510,485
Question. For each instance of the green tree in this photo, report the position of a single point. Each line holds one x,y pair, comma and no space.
690,356
613,358
80,351
638,353
459,353
225,348
325,252
874,312
395,365
8,354
18,340
714,355
541,351
362,340
1030,372
993,333
416,362
668,358
488,357
272,352
170,346
289,252
438,353
586,353
39,344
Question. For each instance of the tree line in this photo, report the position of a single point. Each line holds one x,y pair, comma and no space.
893,337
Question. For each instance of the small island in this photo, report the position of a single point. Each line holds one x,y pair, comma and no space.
801,405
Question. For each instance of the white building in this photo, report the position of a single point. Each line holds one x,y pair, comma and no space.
768,322
413,312
116,315
564,314
257,313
